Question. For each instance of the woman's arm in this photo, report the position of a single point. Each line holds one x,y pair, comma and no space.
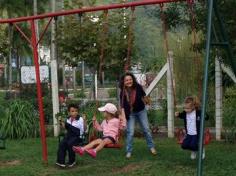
123,121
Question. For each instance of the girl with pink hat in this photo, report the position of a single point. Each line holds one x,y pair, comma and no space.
110,127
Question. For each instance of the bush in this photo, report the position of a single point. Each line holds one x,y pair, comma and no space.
112,93
80,94
20,120
31,91
229,114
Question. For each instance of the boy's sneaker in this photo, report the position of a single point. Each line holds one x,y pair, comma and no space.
128,155
153,151
91,152
193,155
78,150
71,164
60,165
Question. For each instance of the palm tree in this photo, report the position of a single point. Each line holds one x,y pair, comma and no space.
11,9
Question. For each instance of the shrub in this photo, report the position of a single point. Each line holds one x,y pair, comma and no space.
229,113
20,120
80,94
112,93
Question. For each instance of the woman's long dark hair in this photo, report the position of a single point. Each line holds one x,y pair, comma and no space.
121,84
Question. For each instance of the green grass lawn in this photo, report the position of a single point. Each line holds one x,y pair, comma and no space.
23,157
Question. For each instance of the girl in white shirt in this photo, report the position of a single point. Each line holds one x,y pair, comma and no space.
191,116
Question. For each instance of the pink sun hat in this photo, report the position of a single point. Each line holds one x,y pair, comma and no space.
109,107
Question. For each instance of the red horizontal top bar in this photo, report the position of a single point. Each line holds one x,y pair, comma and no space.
88,9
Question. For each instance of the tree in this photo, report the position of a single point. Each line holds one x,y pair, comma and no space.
82,41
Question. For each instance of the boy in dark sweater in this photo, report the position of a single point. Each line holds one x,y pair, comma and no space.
75,127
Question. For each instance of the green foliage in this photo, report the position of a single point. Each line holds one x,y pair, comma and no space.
164,107
90,109
112,93
20,120
31,91
4,43
229,114
80,94
21,158
81,39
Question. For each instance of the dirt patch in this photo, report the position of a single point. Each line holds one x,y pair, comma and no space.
128,168
10,163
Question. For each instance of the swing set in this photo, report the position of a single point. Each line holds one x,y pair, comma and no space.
32,40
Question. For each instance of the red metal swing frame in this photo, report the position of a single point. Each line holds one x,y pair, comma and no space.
34,44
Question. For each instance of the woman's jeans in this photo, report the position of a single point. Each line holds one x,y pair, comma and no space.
142,119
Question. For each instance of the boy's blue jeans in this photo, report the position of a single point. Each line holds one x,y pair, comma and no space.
142,119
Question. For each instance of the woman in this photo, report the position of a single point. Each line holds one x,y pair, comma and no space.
131,99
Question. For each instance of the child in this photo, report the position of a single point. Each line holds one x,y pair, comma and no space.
75,127
191,116
110,127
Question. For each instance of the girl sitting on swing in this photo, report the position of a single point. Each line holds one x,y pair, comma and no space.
191,116
110,127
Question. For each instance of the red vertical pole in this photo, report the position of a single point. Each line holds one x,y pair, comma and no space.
39,92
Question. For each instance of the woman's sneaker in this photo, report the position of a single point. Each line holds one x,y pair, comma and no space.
153,151
78,150
128,155
91,152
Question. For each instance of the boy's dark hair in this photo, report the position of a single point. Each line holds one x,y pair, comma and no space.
72,105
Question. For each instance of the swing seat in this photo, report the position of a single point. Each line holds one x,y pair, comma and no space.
116,145
180,135
207,136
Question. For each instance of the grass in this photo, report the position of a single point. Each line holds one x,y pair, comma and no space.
23,157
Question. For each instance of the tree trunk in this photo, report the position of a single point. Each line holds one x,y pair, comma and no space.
35,7
10,57
54,77
74,78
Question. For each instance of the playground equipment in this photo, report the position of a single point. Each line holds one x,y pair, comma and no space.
94,135
212,6
180,134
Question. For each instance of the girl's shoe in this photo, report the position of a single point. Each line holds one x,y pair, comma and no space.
193,155
203,153
91,152
128,155
78,150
